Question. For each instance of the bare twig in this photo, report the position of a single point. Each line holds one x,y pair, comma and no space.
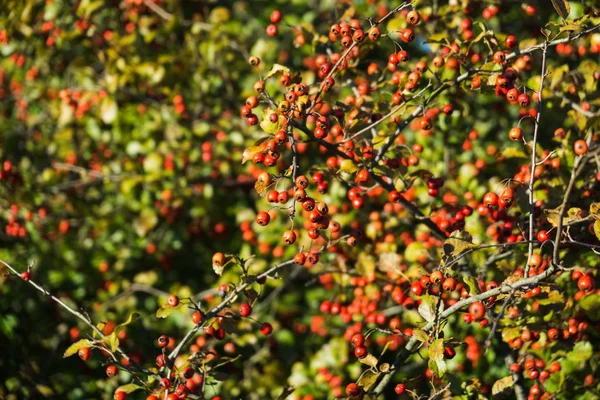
534,157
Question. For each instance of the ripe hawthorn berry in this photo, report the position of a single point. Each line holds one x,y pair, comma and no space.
173,300
289,237
163,341
266,328
26,276
353,390
413,17
245,310
374,34
524,100
197,317
357,340
477,310
511,41
263,218
585,283
400,388
360,351
84,353
275,16
580,147
543,236
165,383
120,395
490,200
515,134
111,371
416,288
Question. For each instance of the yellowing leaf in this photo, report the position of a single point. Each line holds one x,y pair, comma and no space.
112,341
597,228
458,242
75,347
513,152
108,110
420,335
129,388
260,188
562,8
503,386
472,284
348,166
595,208
276,70
250,152
369,360
368,379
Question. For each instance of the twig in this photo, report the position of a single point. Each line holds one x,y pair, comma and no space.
224,303
534,158
413,342
488,341
82,317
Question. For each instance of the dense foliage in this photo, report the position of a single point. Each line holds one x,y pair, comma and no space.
299,199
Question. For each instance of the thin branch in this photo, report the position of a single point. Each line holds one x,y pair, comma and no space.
80,316
224,303
412,344
534,158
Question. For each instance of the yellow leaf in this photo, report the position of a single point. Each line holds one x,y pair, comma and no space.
250,152
75,347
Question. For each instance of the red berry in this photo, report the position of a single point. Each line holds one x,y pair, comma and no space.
542,236
400,388
266,329
173,300
245,310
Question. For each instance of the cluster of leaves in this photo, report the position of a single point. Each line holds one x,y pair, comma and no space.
129,176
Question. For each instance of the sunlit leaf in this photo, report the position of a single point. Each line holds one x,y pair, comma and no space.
75,347
503,386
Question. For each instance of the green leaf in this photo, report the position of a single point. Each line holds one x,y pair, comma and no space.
553,297
145,222
591,304
267,125
513,152
420,335
166,310
582,351
438,367
112,341
562,8
129,388
132,317
436,350
348,166
75,347
429,307
509,334
472,284
502,387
